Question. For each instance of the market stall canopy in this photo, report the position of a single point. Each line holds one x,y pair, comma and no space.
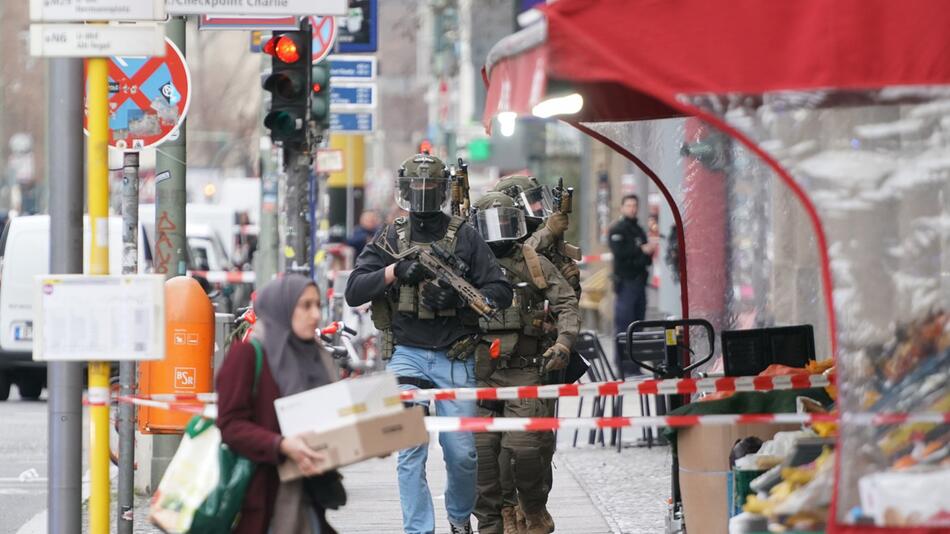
628,58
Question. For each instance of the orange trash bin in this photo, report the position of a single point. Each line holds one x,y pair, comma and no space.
188,367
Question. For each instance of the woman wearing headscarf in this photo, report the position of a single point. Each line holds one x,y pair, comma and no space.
288,311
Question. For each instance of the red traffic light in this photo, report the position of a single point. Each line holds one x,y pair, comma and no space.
317,88
269,46
286,50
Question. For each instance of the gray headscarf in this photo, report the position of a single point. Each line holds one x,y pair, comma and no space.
296,364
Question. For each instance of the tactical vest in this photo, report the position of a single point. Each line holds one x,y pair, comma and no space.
527,317
408,298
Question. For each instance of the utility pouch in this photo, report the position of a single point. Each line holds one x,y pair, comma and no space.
462,349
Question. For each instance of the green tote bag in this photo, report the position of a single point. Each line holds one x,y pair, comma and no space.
219,512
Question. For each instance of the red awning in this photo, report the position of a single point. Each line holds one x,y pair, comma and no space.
629,57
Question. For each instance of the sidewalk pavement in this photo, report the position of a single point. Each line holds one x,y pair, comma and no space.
596,491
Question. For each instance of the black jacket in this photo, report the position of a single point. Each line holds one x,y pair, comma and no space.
367,282
626,237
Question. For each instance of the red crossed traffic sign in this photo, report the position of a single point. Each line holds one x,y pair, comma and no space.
324,35
148,98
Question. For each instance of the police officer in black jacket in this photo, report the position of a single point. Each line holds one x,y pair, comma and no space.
633,255
431,331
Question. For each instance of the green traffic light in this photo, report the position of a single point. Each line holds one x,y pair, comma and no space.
281,123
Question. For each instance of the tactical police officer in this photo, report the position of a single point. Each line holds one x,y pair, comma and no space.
432,332
546,228
535,337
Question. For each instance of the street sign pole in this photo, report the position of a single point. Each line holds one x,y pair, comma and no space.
97,161
130,264
64,171
170,198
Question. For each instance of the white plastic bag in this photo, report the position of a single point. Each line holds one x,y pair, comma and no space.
192,474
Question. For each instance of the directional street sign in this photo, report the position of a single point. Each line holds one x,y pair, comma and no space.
345,94
148,98
271,8
324,35
97,40
353,121
355,68
96,10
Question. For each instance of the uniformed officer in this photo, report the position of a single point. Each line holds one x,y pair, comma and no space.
633,255
536,335
431,333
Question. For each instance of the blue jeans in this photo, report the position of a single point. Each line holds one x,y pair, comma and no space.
418,514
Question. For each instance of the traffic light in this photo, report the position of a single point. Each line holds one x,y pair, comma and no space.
288,84
320,95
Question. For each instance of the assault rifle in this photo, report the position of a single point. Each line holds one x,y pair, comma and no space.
564,203
445,268
461,203
563,198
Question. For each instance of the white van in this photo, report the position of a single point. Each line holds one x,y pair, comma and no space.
24,253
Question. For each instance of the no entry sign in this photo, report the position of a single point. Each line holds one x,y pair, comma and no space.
148,98
324,35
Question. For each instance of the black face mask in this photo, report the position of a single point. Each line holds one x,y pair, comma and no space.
428,226
502,248
532,224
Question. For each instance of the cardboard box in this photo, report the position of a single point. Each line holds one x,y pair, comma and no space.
704,470
370,437
338,404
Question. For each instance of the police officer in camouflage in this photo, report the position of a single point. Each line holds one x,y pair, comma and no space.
535,337
430,333
546,229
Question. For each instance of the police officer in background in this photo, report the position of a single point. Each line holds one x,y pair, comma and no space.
535,337
633,255
431,333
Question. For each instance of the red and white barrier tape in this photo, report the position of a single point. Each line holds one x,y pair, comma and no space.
195,407
538,424
681,386
226,277
594,258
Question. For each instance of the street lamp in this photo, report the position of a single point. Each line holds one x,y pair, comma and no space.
507,120
558,105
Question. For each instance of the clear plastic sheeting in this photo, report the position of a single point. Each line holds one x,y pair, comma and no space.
876,167
750,255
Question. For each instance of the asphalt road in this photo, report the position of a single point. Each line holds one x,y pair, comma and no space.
23,474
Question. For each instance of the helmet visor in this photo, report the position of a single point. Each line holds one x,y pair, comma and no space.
537,202
500,224
422,194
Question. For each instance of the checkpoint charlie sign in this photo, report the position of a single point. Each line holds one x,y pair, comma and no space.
256,7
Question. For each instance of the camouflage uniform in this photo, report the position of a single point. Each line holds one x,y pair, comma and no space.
546,242
525,331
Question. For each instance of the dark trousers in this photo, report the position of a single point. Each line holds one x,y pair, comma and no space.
630,305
